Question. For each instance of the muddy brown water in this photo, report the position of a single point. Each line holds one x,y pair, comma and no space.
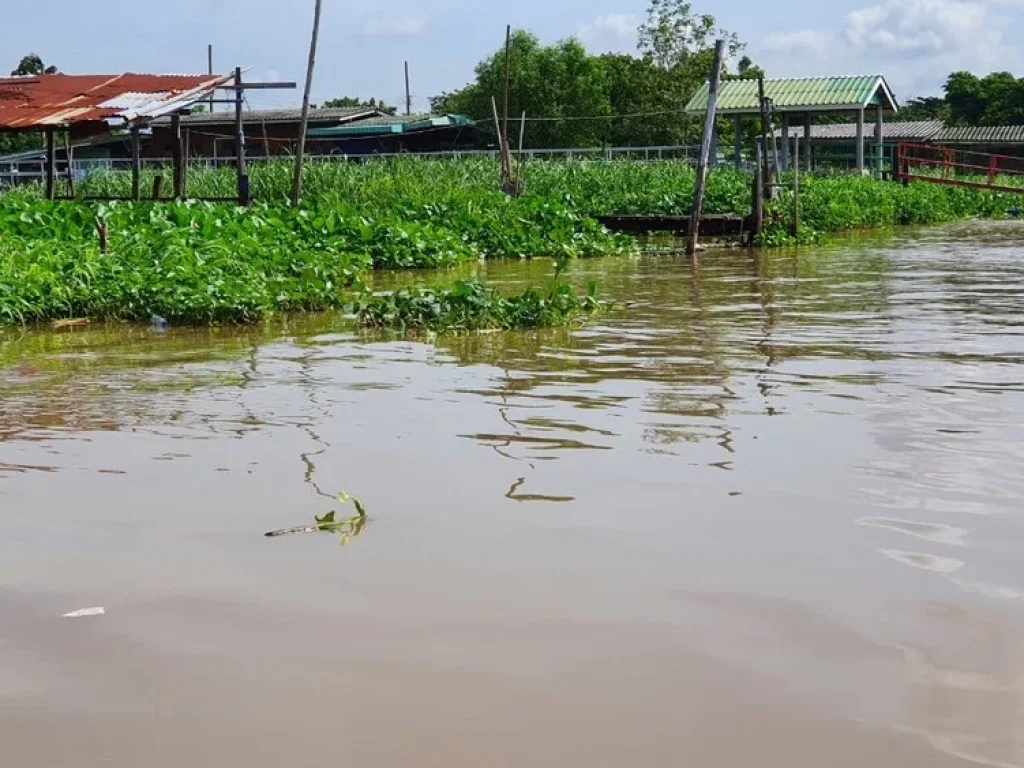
767,514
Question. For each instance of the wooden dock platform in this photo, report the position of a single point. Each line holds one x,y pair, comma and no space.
713,225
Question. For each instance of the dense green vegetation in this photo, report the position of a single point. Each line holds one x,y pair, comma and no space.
205,262
830,204
471,306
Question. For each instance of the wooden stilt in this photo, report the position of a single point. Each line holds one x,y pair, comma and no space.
51,164
136,163
705,150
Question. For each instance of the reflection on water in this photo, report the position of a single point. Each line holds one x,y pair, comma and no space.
784,477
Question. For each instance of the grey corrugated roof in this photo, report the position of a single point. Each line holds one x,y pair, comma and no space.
258,116
989,134
921,130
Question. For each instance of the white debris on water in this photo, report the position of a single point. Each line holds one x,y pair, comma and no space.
85,612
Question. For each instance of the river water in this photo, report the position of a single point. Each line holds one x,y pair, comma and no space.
768,512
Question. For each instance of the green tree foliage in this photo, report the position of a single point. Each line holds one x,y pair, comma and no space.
673,33
350,101
924,108
33,65
561,81
11,143
995,99
609,99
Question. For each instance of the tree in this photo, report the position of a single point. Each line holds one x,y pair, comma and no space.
965,97
561,83
673,33
924,108
350,101
11,143
33,65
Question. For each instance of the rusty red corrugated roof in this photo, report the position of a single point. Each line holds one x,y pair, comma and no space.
45,101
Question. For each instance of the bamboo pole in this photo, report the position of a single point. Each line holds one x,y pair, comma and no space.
209,62
304,122
705,150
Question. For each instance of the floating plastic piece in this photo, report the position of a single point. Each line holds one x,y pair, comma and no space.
159,323
85,612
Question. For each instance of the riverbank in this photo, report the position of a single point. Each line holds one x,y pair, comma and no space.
215,263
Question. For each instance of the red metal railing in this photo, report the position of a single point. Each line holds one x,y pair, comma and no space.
960,167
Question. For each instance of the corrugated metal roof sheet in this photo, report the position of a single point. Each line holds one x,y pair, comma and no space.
810,94
392,124
271,116
989,134
60,100
921,130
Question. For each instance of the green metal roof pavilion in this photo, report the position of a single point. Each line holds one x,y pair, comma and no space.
801,95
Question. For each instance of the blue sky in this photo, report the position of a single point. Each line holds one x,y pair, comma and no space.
915,43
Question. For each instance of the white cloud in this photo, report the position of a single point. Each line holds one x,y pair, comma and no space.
404,26
918,26
814,41
915,43
611,32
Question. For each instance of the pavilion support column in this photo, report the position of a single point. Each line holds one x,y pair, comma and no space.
807,142
51,164
879,140
737,142
860,141
784,157
136,163
178,151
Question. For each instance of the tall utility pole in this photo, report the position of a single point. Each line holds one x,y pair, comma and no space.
304,122
705,151
408,93
209,59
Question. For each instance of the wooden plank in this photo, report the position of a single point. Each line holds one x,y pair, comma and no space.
705,149
715,225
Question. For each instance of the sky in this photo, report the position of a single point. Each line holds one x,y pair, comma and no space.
914,43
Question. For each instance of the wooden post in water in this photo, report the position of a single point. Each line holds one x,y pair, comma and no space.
51,164
506,155
408,92
177,158
209,62
766,175
796,186
136,163
807,142
304,121
860,140
69,158
737,142
705,150
757,207
243,177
